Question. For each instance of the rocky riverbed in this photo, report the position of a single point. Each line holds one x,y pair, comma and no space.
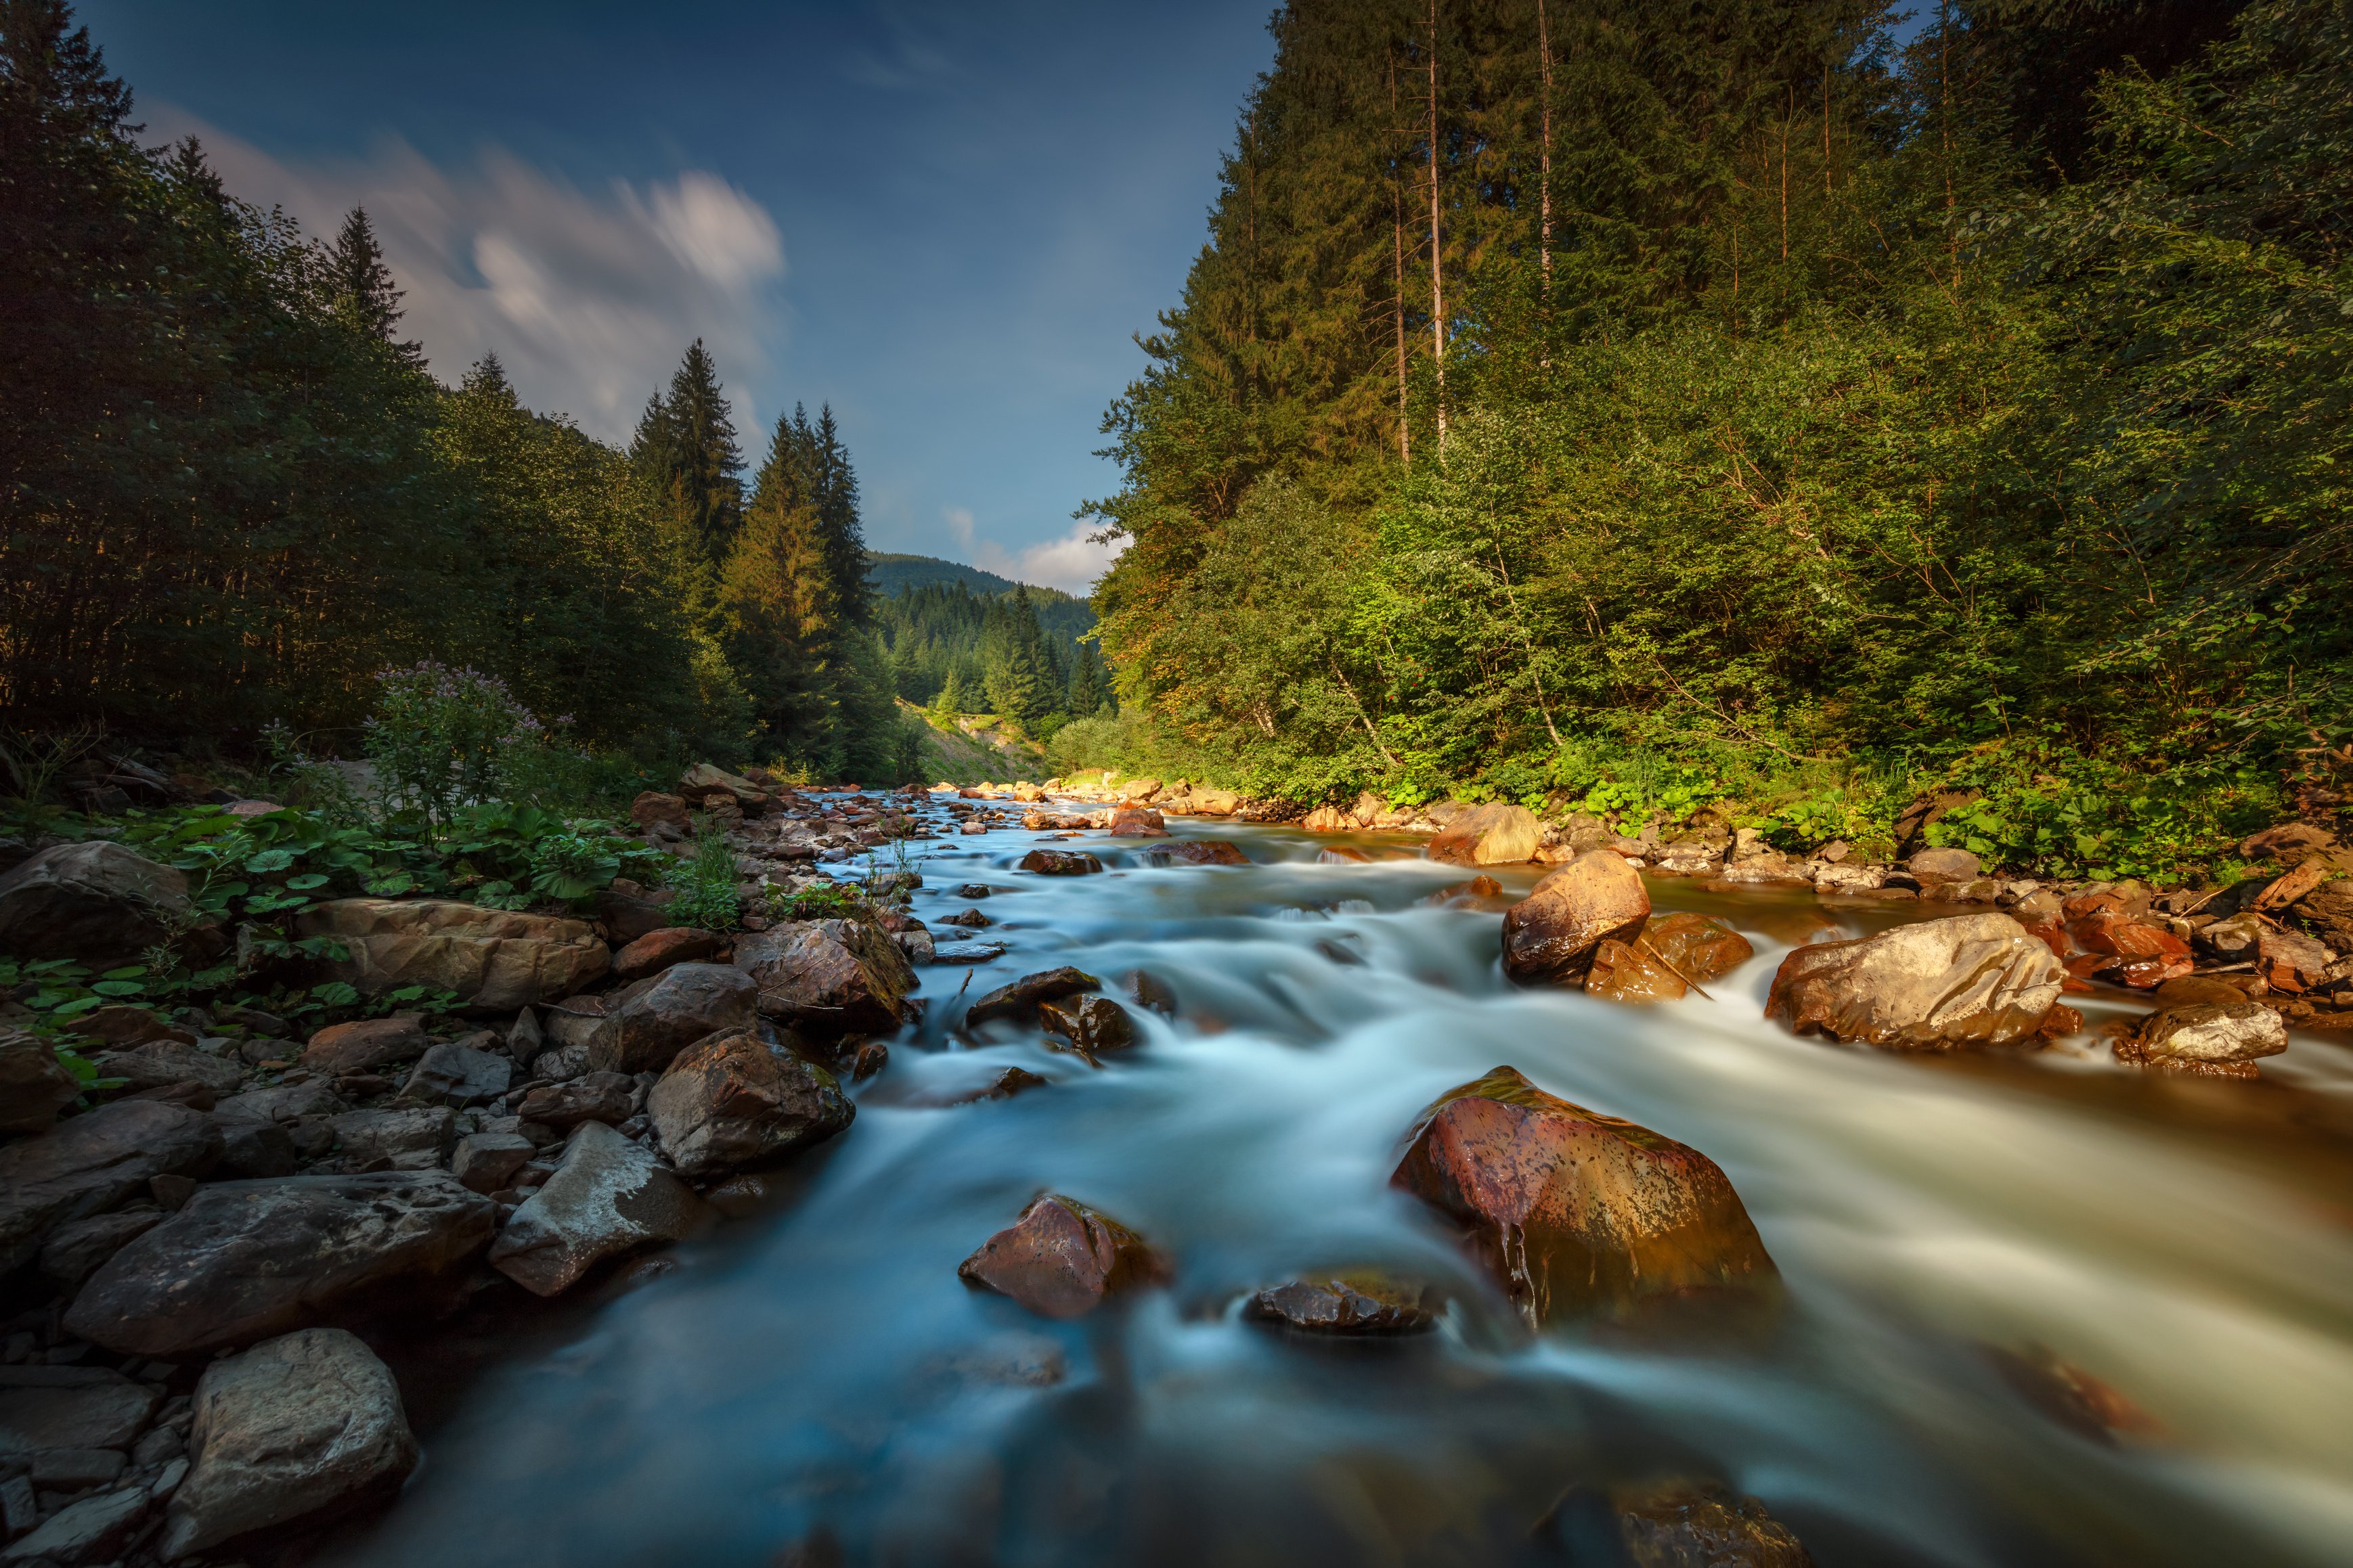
1126,1187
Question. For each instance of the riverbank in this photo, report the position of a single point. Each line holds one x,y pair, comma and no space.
1210,957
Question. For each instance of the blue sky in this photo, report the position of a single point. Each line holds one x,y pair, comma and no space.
946,219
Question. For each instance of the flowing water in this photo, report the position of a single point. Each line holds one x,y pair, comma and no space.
816,1386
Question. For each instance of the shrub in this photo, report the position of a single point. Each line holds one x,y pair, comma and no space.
705,883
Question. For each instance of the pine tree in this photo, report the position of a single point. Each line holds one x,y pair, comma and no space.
360,286
685,446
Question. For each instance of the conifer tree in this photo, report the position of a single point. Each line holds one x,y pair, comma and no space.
361,286
685,446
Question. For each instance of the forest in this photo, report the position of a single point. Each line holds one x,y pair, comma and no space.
233,500
1777,407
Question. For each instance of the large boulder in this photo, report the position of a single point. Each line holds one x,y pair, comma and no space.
2196,1036
1197,852
677,1007
609,1197
828,976
1138,822
1931,867
457,1073
92,900
34,1086
246,1260
1063,1259
1089,1024
736,1099
707,785
1549,937
300,1428
426,1132
493,960
1571,1209
1497,834
658,950
93,1163
1939,986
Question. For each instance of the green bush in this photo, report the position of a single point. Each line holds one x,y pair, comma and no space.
705,884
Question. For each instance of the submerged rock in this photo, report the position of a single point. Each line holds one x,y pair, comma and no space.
1550,936
1063,1259
1092,1025
1967,980
1197,852
1365,1303
300,1428
245,1260
1570,1208
2220,1038
1624,973
736,1099
1681,1526
1672,953
1019,999
1060,863
609,1197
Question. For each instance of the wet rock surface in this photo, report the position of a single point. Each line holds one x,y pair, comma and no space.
1571,1209
683,1003
1018,1000
1060,863
1943,985
298,1429
1550,936
1089,1026
831,977
1363,1302
1063,1259
609,1197
737,1100
246,1260
93,1163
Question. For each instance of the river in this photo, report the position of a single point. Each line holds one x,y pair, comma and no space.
815,1386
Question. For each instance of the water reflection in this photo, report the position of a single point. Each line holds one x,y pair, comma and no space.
816,1386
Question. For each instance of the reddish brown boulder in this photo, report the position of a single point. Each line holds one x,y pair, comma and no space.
1060,863
1092,1025
1967,980
1138,822
1549,937
495,960
367,1045
736,1100
1497,834
828,976
652,808
1571,1209
1696,947
679,1006
1062,1259
1330,819
658,950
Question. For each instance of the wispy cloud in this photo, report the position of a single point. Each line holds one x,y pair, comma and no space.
588,296
1071,563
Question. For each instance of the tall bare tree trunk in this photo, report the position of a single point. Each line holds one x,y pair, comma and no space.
1397,216
1436,243
1544,166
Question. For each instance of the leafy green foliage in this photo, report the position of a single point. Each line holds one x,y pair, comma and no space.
705,884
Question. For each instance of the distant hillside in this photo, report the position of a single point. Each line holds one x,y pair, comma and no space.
894,575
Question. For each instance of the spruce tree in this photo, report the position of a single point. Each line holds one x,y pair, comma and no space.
360,286
685,446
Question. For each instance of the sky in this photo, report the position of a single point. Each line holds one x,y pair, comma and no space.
946,219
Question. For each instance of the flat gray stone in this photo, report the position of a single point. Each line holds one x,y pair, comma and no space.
73,1250
101,1409
88,1531
609,1197
460,1072
246,1260
366,1134
93,1163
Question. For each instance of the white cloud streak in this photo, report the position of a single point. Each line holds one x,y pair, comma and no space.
587,298
1071,563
